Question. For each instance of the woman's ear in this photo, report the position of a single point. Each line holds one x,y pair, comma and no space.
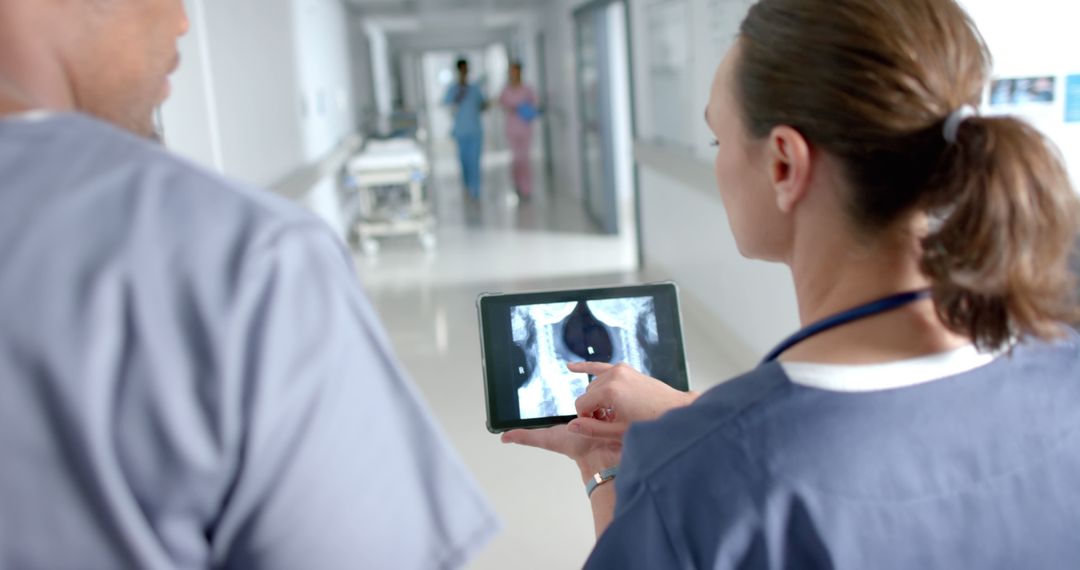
789,162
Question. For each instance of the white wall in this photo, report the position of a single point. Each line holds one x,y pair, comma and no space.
325,76
264,88
189,116
360,63
252,59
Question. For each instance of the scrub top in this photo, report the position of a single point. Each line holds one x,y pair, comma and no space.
191,377
468,111
974,470
518,128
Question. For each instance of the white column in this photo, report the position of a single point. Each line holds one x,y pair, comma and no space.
380,69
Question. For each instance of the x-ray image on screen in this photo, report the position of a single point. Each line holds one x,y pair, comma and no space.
548,337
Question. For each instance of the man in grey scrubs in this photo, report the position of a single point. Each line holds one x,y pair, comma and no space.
190,375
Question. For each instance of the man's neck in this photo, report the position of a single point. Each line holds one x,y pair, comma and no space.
32,72
12,102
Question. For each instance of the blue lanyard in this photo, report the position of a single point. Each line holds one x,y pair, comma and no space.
861,312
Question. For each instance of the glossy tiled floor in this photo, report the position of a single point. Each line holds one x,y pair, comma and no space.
497,239
427,302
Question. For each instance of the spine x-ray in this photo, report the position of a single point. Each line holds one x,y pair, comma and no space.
548,337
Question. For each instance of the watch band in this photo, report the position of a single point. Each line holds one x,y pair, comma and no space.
599,479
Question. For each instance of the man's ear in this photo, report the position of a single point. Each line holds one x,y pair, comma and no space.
789,161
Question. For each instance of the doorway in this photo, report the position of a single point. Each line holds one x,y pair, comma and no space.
605,114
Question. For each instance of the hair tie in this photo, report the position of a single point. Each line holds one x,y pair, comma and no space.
957,118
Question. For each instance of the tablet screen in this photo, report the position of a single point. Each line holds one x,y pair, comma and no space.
528,340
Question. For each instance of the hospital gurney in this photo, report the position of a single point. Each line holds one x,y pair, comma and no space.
389,177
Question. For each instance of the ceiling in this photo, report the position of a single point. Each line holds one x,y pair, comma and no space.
445,24
430,6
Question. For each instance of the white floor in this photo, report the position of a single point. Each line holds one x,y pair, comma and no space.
427,302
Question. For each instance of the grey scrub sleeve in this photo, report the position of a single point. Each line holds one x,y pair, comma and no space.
341,465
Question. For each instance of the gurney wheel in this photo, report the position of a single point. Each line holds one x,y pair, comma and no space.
428,242
370,247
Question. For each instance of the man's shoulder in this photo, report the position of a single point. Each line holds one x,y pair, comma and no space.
146,171
109,194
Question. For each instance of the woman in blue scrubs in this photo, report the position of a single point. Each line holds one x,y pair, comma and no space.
469,103
928,416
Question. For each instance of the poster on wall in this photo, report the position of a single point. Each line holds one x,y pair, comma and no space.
1034,98
1072,99
1022,91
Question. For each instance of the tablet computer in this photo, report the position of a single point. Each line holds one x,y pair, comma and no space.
527,339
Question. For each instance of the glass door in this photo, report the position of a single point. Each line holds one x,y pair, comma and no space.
601,54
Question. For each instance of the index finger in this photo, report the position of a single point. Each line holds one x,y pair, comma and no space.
591,368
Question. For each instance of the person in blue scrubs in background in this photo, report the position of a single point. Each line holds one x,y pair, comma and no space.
929,414
469,103
190,373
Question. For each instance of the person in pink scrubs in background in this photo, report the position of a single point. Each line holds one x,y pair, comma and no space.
520,103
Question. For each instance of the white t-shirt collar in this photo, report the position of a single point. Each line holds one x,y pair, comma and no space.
887,376
31,116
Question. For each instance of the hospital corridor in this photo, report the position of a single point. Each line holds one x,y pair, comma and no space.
428,302
475,284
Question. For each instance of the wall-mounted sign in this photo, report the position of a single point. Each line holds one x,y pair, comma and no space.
1022,91
1072,99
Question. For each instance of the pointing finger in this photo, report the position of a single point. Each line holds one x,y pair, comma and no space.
591,368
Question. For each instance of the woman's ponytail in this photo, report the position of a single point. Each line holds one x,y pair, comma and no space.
1004,224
